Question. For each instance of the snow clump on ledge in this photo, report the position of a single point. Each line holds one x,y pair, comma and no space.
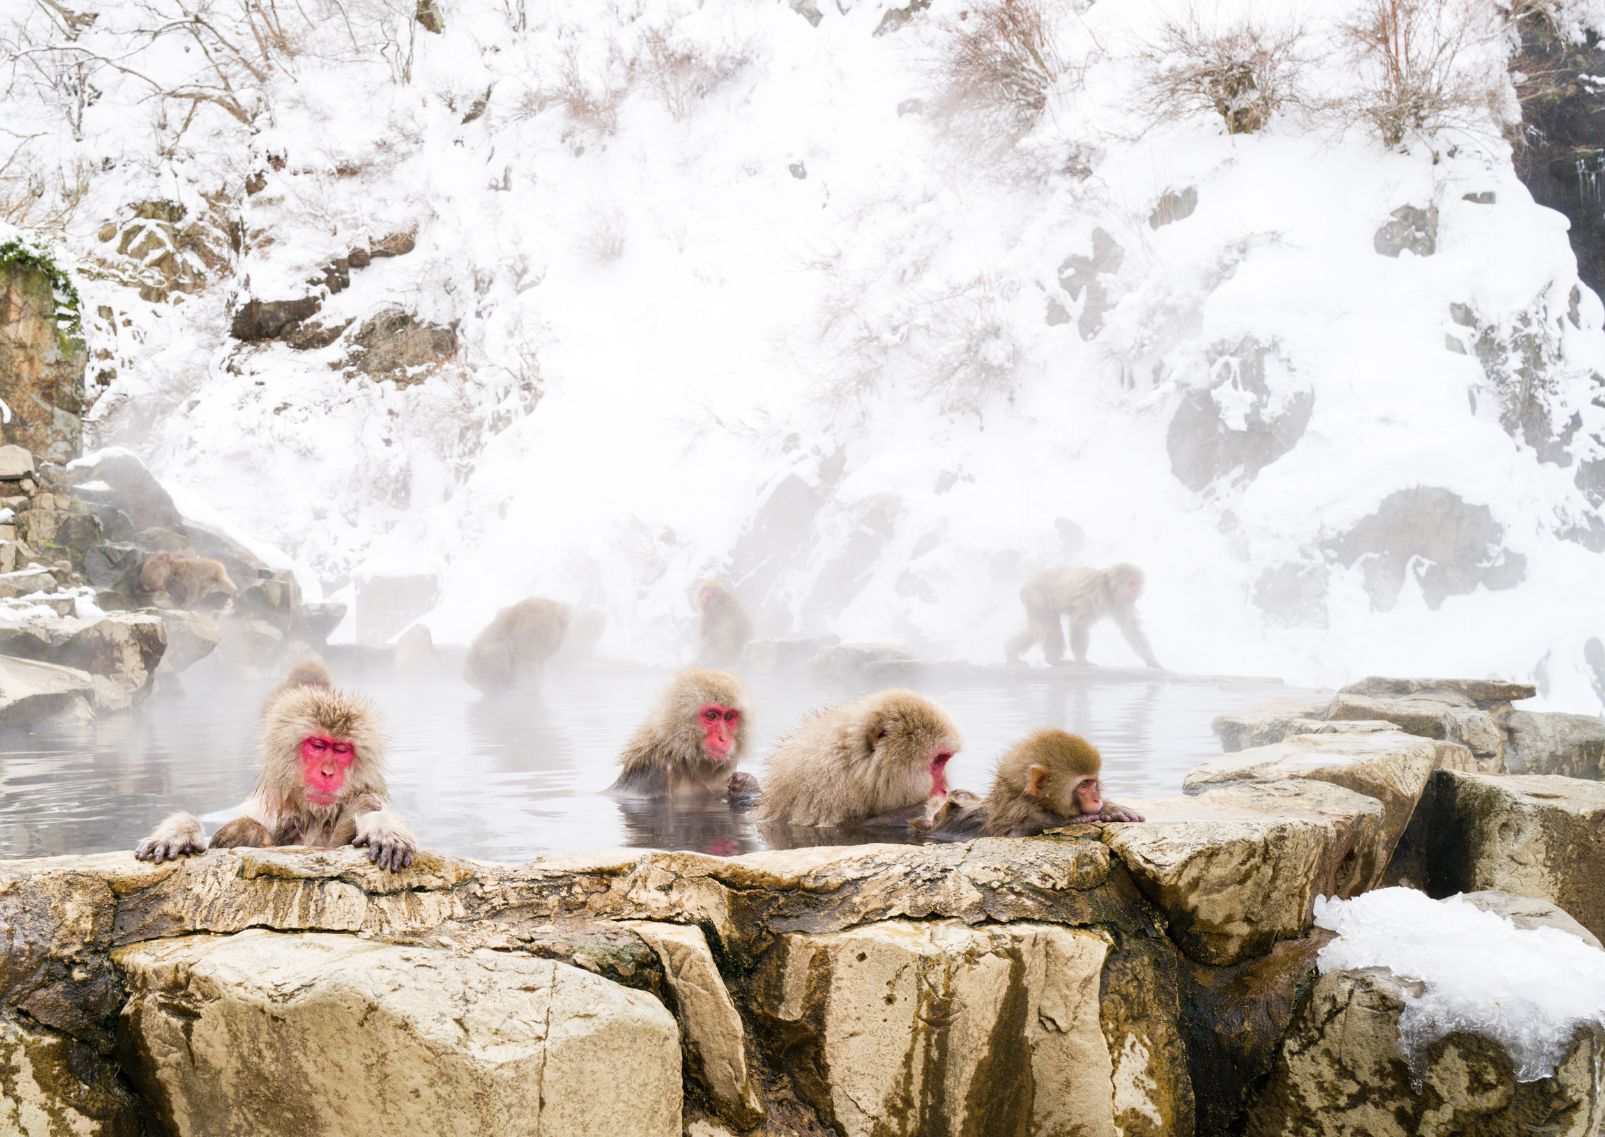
1527,989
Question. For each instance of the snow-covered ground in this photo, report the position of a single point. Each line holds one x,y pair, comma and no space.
691,251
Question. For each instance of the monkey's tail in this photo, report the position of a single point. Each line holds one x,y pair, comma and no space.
1019,643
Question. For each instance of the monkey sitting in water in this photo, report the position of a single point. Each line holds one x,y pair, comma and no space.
1045,781
689,746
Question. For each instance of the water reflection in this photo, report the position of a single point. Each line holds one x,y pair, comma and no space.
506,779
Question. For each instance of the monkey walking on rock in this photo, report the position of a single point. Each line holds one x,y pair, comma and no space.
1084,596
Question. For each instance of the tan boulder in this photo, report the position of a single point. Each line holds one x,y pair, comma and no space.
1268,723
53,1086
937,1028
1534,835
1551,743
263,1033
1343,1072
1238,868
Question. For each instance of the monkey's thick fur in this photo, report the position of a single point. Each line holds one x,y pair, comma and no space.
278,812
858,761
187,580
1084,595
723,626
1023,803
513,649
665,755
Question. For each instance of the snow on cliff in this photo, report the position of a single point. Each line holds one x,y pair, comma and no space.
684,289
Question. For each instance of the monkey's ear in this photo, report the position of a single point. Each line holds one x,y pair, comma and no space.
875,732
1035,777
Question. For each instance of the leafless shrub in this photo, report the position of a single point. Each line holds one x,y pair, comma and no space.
681,75
592,107
1000,63
1419,65
1244,72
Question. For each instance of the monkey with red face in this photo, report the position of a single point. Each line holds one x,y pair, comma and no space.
1084,595
689,746
320,782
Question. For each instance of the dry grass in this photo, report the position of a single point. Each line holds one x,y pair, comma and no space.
1243,72
999,64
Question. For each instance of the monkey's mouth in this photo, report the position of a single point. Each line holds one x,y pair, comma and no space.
322,797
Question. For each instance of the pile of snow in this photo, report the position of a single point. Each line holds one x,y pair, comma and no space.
696,254
1529,990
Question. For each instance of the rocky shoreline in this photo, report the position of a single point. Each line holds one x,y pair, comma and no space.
1158,978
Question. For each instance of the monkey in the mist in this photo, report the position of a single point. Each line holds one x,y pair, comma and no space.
723,626
690,744
187,580
515,646
1084,596
867,762
320,782
1048,779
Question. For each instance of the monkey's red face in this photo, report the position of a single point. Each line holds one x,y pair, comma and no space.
1086,795
704,596
324,762
719,727
939,762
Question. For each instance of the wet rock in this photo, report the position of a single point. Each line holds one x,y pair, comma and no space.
233,1034
1269,723
1485,694
1252,411
395,344
53,1085
191,637
869,662
1411,228
113,566
1550,743
123,646
33,692
713,1038
1529,912
1238,868
1343,1071
1530,834
880,1017
1450,546
1391,767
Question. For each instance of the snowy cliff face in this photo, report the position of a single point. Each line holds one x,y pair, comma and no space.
592,300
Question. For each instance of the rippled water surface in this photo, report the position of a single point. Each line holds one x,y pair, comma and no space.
506,780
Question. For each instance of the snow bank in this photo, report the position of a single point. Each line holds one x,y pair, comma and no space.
1527,989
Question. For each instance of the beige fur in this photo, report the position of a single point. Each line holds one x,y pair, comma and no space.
723,626
1066,759
665,754
1084,595
858,761
513,649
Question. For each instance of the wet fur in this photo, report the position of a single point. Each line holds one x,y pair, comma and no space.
723,626
857,762
514,647
665,758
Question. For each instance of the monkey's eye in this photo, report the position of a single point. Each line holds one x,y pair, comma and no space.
343,748
318,743
731,716
711,715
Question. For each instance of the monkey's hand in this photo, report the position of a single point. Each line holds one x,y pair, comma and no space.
389,842
177,836
1120,813
741,789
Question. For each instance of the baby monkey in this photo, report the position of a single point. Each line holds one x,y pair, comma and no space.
1044,781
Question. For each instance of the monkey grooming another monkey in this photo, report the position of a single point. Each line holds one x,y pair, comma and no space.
723,626
513,649
860,763
1084,595
321,782
690,744
187,580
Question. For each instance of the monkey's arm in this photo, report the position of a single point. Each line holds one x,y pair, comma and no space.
243,833
1114,812
389,842
177,835
902,819
1131,628
961,816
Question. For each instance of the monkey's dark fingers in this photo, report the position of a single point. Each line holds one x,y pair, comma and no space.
359,842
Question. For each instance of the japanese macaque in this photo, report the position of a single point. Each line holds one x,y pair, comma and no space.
1085,595
320,782
690,744
868,762
513,649
723,626
1045,781
310,672
188,580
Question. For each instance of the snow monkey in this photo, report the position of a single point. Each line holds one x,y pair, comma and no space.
691,742
723,626
861,762
513,649
1085,595
1042,782
321,782
187,580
